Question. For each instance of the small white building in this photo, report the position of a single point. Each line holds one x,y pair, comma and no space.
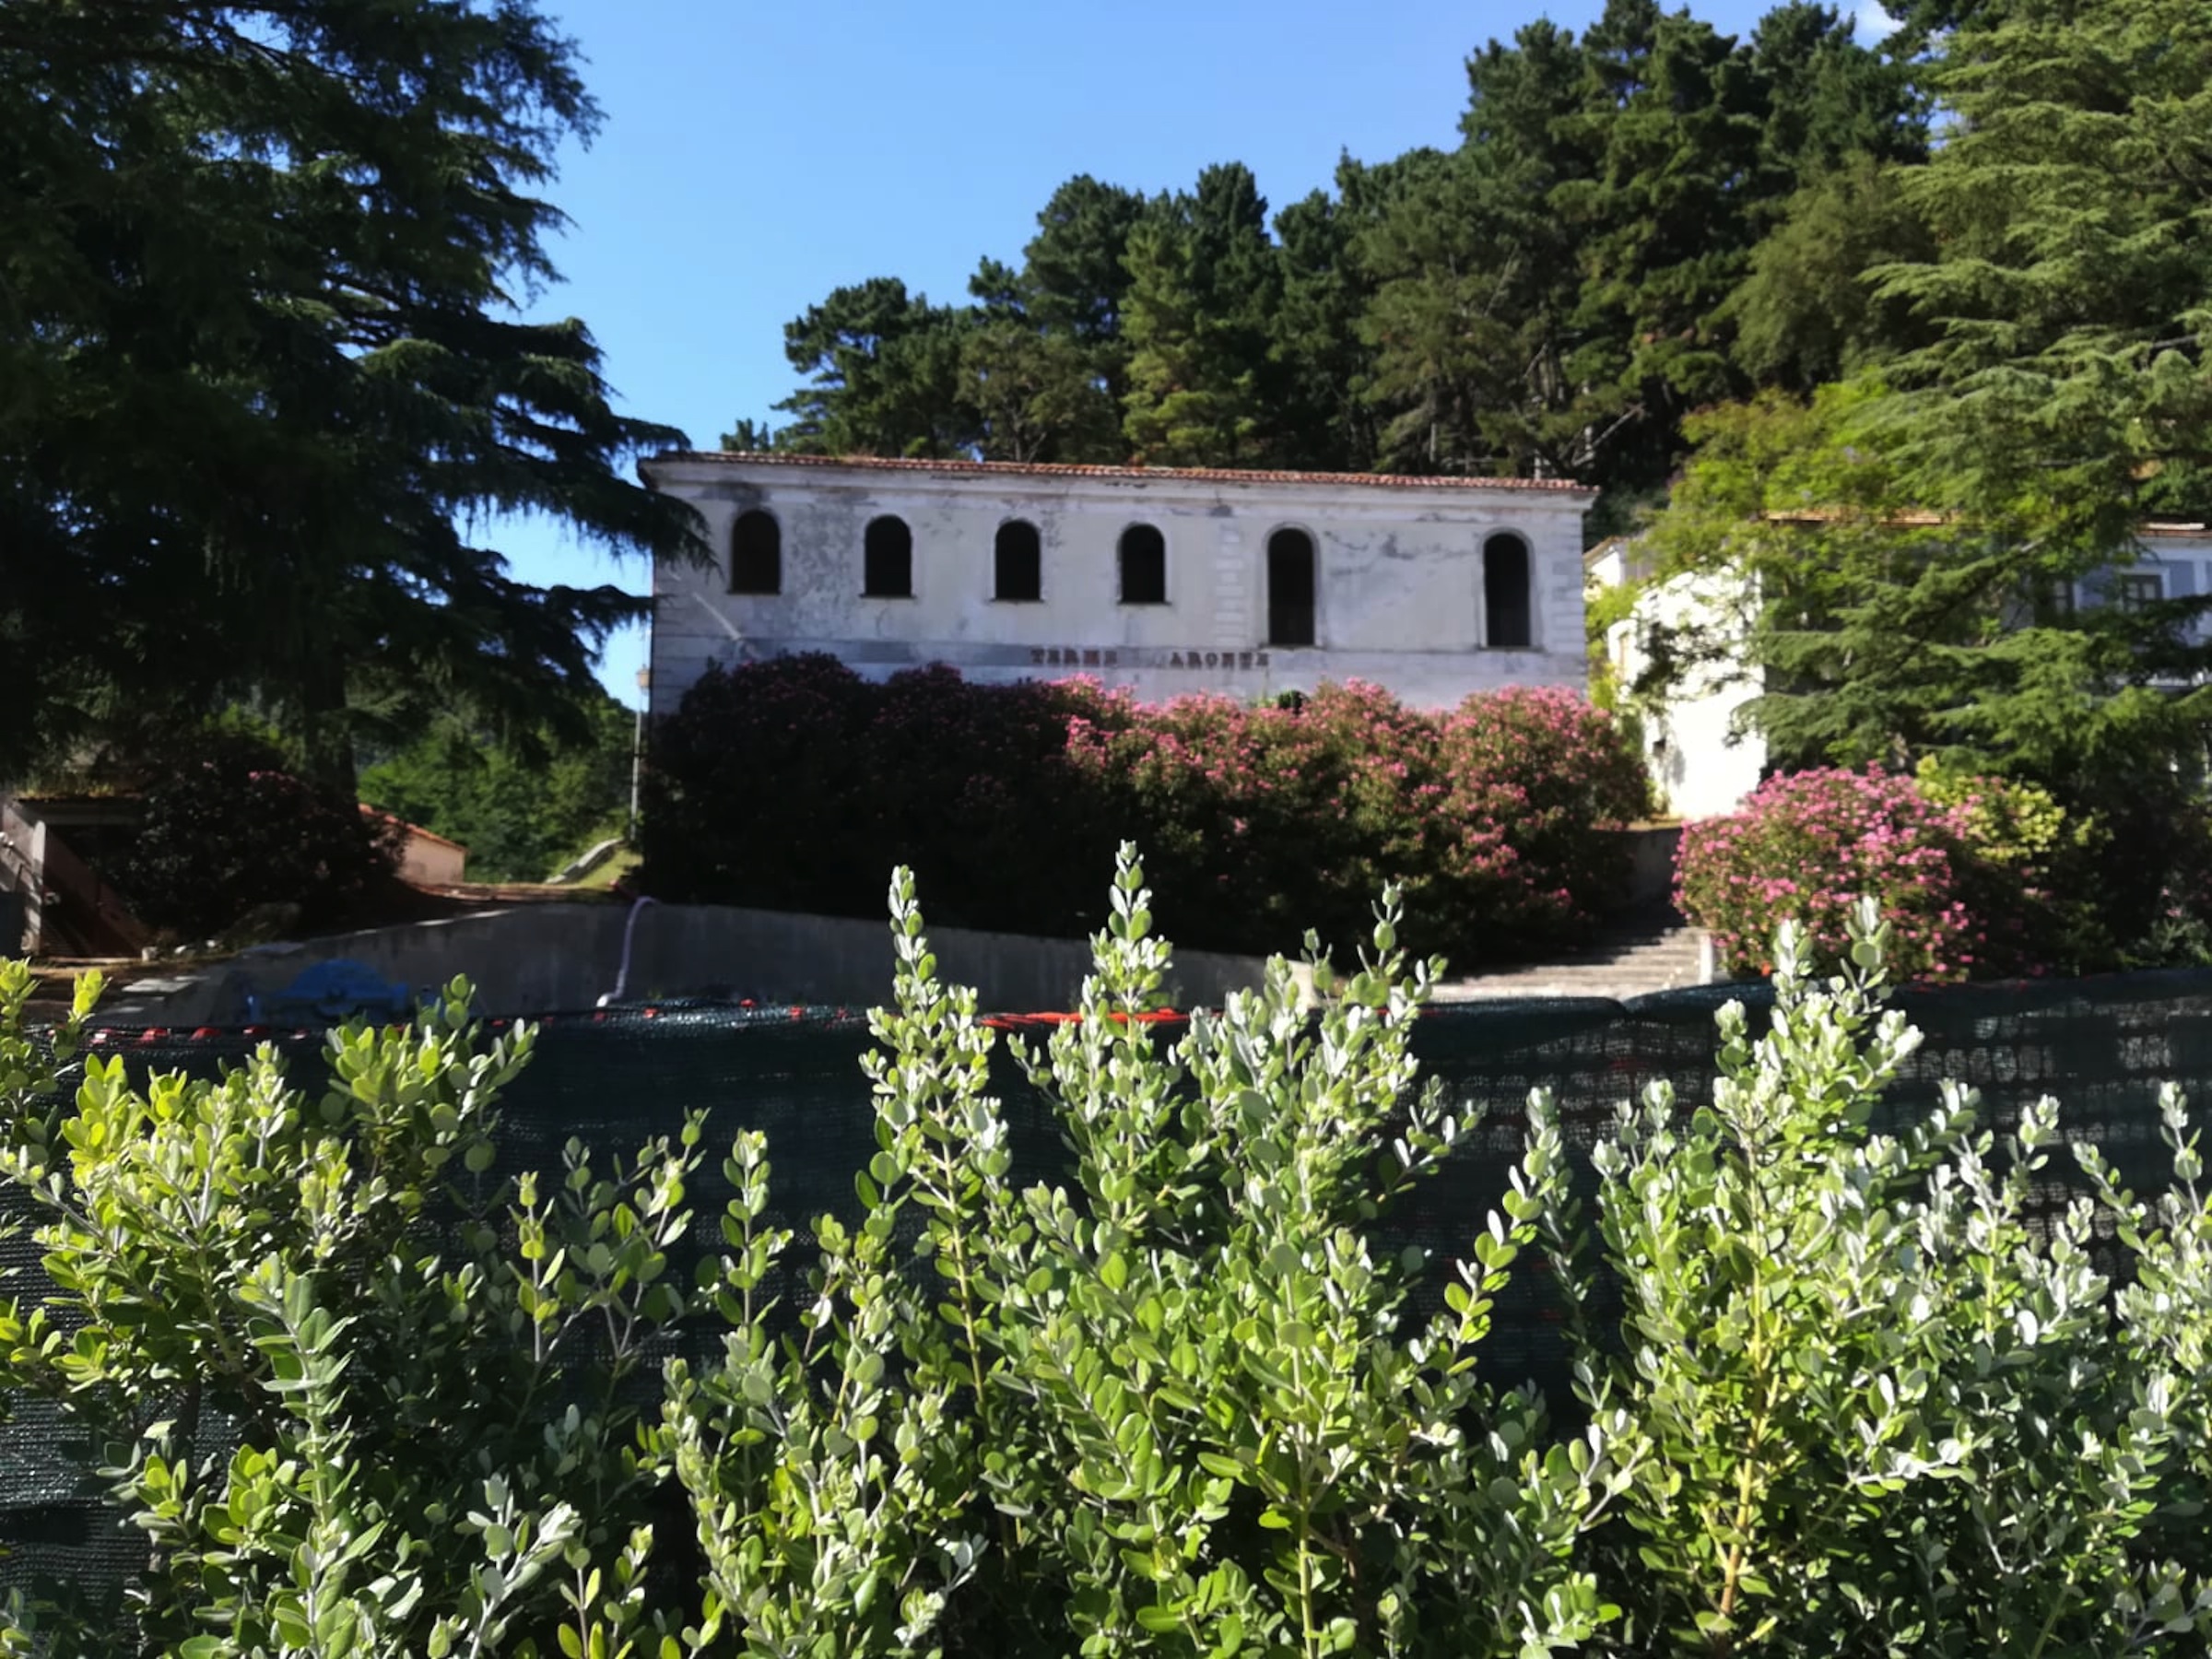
1702,755
1164,581
1702,761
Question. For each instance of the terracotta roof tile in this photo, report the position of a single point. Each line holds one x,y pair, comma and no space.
1207,474
413,830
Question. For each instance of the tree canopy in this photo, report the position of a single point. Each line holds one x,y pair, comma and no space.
265,374
521,816
1980,371
1550,298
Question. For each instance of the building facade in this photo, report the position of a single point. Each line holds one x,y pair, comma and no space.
1163,580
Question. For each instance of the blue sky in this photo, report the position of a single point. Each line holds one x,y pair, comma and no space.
755,155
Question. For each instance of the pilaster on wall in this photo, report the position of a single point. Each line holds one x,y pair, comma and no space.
1232,591
1561,602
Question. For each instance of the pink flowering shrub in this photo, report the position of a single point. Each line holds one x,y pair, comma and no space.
795,783
1807,845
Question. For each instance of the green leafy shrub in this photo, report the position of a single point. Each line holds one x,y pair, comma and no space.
358,1396
1210,1422
228,825
1871,1391
363,1398
1842,1386
2037,867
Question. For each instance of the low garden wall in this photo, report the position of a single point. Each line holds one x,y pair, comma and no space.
536,958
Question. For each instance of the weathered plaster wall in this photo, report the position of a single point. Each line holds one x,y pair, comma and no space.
1398,601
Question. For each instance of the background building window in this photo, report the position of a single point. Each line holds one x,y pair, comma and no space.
1017,562
1144,565
756,554
1290,588
2136,589
2051,601
887,550
1505,594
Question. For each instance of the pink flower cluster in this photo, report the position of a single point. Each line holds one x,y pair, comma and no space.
1807,845
1492,815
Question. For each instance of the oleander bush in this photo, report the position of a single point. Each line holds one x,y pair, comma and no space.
793,784
1840,1389
1980,876
228,826
1808,847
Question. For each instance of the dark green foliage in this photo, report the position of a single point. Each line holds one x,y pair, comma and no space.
884,374
228,826
790,785
1554,299
1204,284
1807,314
257,366
1035,394
2064,387
521,810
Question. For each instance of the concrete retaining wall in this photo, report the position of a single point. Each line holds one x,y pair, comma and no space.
540,959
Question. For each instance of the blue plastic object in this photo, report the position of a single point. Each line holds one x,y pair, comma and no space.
336,990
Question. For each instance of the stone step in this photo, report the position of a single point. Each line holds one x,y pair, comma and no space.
1634,965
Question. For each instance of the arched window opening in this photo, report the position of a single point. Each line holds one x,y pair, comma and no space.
1144,565
1505,594
756,554
1290,588
888,551
1017,562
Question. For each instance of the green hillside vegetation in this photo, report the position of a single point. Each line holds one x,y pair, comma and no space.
521,810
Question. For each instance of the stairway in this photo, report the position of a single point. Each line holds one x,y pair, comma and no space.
1633,962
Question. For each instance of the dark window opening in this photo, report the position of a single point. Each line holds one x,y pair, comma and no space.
1290,588
2138,591
756,554
1019,562
888,559
2051,601
1505,594
1144,565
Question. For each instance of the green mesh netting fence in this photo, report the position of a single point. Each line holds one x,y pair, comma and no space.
614,1077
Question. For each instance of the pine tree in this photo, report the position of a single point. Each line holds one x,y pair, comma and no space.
1477,275
884,374
1203,286
258,363
2066,386
1033,393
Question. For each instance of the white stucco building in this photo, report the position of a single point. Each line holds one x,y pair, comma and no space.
1165,581
1701,755
1700,760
